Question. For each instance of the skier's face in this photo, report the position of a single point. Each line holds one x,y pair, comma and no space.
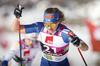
51,26
30,41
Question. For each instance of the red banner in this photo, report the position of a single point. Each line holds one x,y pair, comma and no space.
95,37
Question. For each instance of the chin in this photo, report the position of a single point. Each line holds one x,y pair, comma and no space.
51,31
30,45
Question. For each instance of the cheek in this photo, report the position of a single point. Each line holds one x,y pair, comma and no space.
55,27
31,42
27,41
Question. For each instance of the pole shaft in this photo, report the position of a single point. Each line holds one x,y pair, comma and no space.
20,41
82,57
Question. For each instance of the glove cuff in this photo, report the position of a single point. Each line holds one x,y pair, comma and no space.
79,45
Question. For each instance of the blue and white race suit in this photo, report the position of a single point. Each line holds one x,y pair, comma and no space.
54,47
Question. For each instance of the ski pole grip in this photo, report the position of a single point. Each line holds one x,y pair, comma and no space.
20,7
71,38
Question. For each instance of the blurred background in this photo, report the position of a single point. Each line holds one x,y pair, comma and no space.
82,17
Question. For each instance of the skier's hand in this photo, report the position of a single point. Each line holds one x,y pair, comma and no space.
18,11
75,40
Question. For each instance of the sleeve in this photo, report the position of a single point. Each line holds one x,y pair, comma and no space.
35,27
4,63
14,49
39,46
66,33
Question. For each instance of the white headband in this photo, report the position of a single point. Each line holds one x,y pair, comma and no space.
32,34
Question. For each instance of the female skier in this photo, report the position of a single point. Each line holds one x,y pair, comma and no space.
53,35
29,47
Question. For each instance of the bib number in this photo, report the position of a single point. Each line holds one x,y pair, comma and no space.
48,48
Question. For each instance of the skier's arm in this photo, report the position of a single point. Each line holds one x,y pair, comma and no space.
79,43
18,14
10,54
68,36
4,63
84,46
15,26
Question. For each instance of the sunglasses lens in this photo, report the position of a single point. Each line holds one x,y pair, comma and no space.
46,25
31,39
52,25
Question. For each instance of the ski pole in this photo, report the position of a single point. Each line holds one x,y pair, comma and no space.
71,37
82,57
20,41
19,6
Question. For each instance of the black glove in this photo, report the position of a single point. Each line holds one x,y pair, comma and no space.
18,11
75,40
